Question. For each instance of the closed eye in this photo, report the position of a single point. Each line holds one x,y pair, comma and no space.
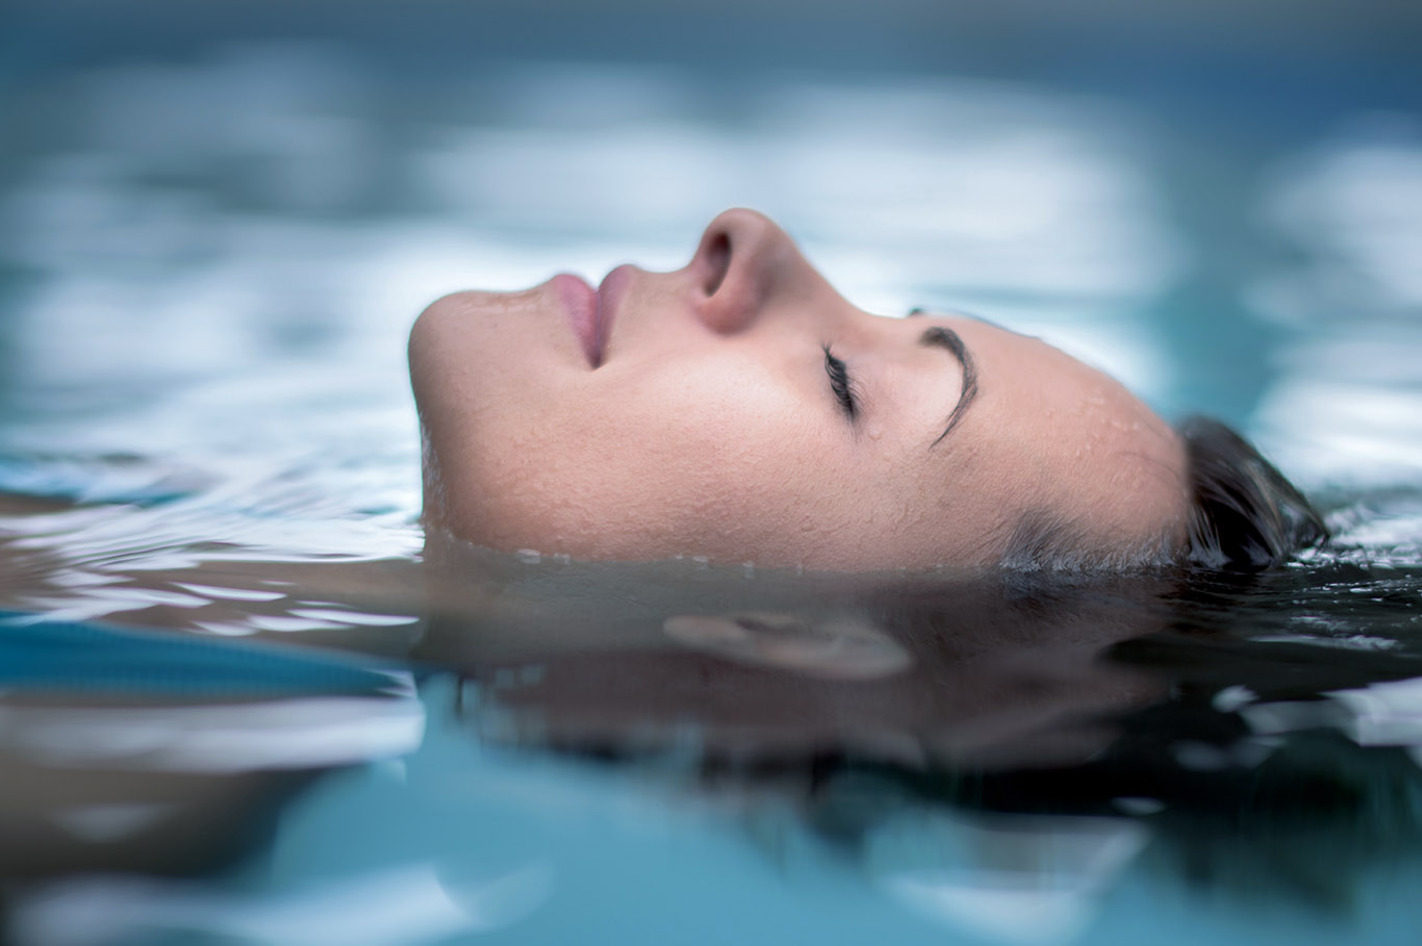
841,384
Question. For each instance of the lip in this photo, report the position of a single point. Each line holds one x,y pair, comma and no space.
580,305
610,294
591,311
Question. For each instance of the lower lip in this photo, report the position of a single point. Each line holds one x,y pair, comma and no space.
590,312
580,303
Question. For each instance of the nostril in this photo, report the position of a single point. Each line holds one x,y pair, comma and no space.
742,256
718,259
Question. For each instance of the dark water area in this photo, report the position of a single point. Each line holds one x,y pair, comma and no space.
246,699
631,748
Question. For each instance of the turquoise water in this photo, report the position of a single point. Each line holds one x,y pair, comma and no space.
244,702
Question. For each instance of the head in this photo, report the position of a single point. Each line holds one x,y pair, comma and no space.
740,409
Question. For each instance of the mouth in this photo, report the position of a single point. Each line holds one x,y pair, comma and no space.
591,311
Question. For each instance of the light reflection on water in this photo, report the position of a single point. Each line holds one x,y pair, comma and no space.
1347,408
217,261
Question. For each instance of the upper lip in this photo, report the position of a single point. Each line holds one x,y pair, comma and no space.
609,297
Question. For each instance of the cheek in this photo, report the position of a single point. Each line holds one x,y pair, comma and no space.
732,466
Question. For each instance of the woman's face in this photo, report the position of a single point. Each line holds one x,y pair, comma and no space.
740,409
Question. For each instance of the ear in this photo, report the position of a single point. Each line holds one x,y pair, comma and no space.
837,647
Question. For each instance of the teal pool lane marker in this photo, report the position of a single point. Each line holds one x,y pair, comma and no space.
40,654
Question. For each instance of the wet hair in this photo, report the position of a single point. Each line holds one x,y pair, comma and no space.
1244,515
1043,539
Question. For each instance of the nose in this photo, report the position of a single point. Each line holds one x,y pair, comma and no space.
744,259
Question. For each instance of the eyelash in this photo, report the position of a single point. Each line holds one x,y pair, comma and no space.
842,384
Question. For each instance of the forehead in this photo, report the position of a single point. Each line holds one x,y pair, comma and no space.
1050,434
1039,385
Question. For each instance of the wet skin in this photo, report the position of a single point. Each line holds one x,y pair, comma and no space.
740,409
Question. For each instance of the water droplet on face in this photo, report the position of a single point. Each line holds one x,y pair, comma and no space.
529,556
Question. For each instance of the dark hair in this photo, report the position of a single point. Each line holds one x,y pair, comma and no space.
1244,515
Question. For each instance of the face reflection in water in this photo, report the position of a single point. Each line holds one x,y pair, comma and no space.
740,409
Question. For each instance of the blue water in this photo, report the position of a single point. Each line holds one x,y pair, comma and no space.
244,702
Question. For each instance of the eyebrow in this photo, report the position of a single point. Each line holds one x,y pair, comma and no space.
947,338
